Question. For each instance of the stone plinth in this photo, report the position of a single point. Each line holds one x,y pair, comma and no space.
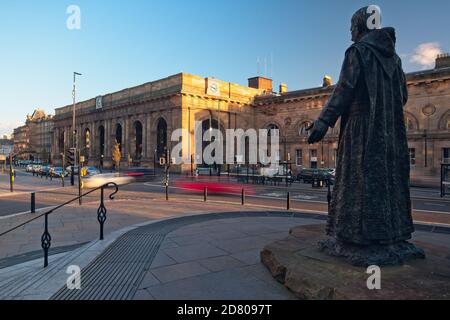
310,274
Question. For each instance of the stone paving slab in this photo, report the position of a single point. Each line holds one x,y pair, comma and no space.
191,263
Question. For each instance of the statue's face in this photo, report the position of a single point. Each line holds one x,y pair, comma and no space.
355,32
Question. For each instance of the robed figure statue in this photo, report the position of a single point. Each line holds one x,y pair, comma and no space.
370,211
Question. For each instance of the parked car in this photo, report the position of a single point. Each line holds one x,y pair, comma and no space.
308,175
36,168
45,170
69,170
58,171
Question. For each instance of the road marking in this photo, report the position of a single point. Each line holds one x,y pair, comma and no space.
435,204
436,224
27,192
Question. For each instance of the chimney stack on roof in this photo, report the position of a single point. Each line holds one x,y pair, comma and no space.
442,61
283,88
261,83
327,81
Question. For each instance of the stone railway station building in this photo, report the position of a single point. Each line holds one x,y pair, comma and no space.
142,119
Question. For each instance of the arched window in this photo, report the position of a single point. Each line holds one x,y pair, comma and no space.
161,138
138,139
87,139
119,135
302,130
274,128
101,135
61,142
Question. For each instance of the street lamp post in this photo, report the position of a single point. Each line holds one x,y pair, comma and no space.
74,130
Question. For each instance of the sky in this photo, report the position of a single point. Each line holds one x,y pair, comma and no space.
121,44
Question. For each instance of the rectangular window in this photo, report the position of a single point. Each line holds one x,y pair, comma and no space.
446,155
412,156
299,157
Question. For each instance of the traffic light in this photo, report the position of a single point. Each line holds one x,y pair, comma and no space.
70,157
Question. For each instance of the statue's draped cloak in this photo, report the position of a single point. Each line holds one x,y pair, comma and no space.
371,198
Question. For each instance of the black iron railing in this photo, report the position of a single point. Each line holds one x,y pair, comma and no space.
46,238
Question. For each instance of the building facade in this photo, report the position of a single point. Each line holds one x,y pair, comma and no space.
21,140
33,141
141,120
6,147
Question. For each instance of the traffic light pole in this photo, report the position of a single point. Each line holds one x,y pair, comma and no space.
11,174
74,131
79,177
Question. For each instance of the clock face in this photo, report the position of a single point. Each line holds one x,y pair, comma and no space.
213,88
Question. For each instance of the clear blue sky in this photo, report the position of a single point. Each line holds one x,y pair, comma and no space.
126,43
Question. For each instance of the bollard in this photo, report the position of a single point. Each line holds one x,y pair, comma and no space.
167,192
33,202
205,194
328,194
288,204
243,197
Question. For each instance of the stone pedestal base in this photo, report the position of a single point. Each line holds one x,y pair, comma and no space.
379,255
310,273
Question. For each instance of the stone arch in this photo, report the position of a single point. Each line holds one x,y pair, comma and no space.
61,141
411,122
161,137
137,139
268,124
444,121
101,141
301,126
118,134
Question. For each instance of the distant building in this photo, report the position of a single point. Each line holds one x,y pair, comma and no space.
6,146
34,139
22,142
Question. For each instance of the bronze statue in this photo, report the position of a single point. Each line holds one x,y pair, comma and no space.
370,213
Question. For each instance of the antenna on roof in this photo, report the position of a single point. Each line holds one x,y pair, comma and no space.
271,66
257,67
265,67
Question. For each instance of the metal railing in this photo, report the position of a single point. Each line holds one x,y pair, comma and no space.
46,237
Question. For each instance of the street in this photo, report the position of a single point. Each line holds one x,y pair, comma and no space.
427,205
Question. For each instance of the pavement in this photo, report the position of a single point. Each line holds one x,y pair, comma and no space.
183,248
169,250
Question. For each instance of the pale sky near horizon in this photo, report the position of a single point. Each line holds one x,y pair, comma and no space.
127,43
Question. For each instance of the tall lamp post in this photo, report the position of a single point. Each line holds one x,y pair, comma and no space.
74,129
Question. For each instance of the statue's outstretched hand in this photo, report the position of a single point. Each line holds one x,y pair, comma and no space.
319,130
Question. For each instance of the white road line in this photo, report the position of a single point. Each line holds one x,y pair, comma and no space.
435,204
27,192
295,200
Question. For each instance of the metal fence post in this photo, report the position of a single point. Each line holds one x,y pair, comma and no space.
101,213
288,201
243,197
329,194
46,240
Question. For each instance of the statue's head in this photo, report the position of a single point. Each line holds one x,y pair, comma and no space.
364,21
